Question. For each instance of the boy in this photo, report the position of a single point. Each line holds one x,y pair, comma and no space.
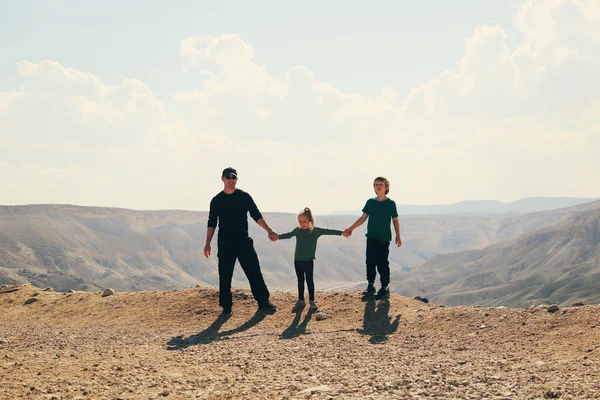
380,211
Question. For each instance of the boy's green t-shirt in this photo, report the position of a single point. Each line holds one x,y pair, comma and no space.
306,241
380,215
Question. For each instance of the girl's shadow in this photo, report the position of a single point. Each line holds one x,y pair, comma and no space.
377,323
212,333
296,328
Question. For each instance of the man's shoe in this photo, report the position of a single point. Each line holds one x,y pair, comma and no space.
383,293
300,304
313,305
369,291
267,307
226,312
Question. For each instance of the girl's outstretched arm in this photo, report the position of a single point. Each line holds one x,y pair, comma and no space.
325,231
288,235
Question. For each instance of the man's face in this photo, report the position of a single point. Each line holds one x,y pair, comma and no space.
379,187
229,181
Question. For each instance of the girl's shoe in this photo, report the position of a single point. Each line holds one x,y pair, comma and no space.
313,305
300,304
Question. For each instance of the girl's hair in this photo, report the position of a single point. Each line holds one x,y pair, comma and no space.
308,214
386,182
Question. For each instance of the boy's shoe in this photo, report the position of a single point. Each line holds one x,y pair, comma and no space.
369,291
313,305
226,312
300,304
267,307
383,293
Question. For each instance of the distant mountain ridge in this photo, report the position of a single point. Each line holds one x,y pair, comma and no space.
521,206
559,264
90,248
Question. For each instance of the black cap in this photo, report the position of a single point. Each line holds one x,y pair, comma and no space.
227,172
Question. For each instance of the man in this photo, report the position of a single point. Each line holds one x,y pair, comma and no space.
230,210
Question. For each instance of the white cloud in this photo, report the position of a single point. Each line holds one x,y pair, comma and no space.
506,123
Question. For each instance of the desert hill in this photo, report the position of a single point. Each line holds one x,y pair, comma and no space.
89,248
174,345
560,264
486,207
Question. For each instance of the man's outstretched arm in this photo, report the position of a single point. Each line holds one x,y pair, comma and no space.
263,224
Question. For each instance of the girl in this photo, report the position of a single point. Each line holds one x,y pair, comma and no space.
306,235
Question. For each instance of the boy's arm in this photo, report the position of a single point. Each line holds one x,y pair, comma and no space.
397,229
355,225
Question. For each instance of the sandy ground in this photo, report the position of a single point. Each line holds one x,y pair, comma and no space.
175,345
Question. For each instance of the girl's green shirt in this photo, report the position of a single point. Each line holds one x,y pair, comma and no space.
306,241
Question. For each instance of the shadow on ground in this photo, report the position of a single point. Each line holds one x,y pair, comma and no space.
212,333
296,328
377,322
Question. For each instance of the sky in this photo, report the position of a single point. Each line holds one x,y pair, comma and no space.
141,104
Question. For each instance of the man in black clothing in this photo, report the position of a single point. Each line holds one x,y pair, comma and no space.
230,210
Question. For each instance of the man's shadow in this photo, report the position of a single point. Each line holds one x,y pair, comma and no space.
212,333
296,328
377,323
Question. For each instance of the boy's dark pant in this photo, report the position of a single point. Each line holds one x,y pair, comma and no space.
377,261
243,250
305,269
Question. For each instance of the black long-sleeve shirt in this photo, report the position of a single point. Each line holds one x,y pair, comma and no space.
230,211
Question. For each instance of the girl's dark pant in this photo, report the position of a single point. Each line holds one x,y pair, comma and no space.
304,270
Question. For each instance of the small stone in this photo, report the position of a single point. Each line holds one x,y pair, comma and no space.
577,304
315,389
31,300
553,308
108,292
321,316
48,289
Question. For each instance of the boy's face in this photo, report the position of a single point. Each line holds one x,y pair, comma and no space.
303,222
379,187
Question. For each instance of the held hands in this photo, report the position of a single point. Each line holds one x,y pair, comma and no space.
347,233
273,236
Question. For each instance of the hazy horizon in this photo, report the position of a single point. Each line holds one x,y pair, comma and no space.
140,105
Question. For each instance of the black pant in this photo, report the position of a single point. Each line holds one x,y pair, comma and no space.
377,261
304,269
243,250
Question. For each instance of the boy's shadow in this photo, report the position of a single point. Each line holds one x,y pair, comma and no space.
212,333
377,323
296,328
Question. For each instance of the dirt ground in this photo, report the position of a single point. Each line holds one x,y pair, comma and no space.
175,345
